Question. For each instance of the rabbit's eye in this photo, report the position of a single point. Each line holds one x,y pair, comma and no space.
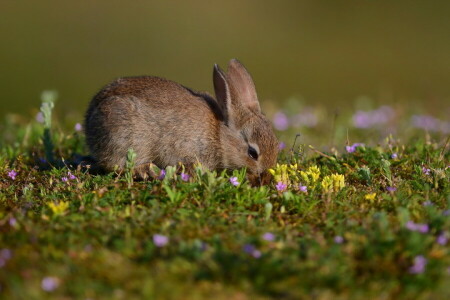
252,153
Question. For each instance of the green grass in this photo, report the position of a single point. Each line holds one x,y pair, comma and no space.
92,236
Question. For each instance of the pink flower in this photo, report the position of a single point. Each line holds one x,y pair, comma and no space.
162,174
442,239
422,228
281,186
185,176
71,176
281,145
419,265
280,121
303,188
160,240
49,284
338,239
12,174
234,181
426,171
64,179
78,127
268,236
394,155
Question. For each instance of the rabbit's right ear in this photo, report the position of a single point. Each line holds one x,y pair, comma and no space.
222,93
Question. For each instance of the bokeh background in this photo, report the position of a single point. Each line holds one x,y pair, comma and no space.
327,53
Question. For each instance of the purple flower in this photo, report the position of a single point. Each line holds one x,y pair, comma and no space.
446,213
185,176
338,239
426,171
12,174
307,118
281,145
78,127
162,174
280,121
64,179
442,239
422,228
394,155
234,181
427,203
367,119
160,240
303,188
40,117
391,189
352,148
49,284
425,122
5,253
71,176
419,265
250,249
281,186
12,222
268,236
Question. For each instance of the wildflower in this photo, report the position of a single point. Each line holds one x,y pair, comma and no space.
419,265
234,181
40,117
49,284
64,179
327,184
427,203
5,253
162,174
367,119
58,208
422,228
446,213
12,174
281,186
303,188
426,171
71,176
250,249
333,182
442,239
370,197
281,145
268,236
391,189
185,176
338,239
311,175
160,240
78,127
394,155
12,222
280,121
281,173
352,148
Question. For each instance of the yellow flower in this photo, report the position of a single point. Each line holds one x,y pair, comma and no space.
333,182
370,197
310,176
338,181
281,173
58,208
327,184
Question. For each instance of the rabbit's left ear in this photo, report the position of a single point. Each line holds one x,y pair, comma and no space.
222,93
241,86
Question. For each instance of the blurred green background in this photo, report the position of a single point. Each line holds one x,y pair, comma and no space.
326,52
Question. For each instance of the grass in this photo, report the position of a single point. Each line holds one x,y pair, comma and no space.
380,234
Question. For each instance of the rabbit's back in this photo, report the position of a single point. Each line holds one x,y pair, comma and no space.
161,120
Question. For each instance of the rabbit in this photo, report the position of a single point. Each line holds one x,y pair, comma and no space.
166,124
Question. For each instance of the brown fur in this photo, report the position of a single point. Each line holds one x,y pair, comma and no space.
166,123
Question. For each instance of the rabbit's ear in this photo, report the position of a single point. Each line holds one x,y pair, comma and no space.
222,92
241,86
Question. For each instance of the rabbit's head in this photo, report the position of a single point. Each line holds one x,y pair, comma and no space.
248,139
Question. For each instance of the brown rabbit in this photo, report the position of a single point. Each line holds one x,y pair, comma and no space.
166,123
